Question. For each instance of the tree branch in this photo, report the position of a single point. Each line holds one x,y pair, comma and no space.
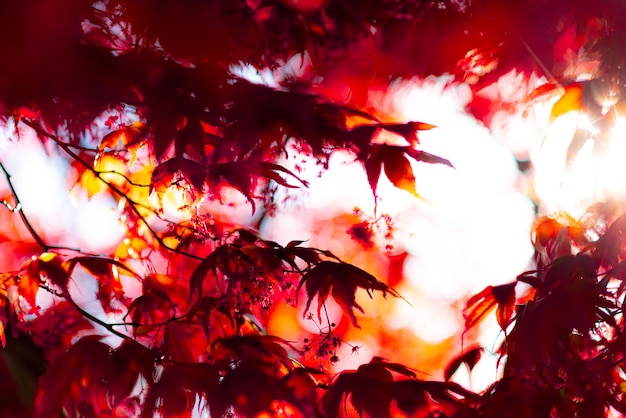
19,209
41,131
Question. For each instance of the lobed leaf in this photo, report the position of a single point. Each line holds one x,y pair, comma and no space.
342,280
570,101
399,171
469,357
397,167
481,304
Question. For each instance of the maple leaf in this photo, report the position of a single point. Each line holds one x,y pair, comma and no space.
399,171
469,357
107,272
607,250
91,378
227,259
173,171
125,136
192,137
252,388
175,393
393,160
372,389
242,175
481,304
341,280
21,366
48,267
267,349
161,297
56,328
408,130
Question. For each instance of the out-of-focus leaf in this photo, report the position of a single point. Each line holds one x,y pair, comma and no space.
55,329
176,391
22,363
90,378
570,101
107,272
49,267
543,90
372,390
481,304
125,135
469,357
343,279
267,349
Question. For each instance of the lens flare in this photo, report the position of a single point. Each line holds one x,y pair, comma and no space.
579,164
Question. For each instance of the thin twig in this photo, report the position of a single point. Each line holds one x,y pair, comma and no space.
129,181
105,325
156,324
19,209
41,131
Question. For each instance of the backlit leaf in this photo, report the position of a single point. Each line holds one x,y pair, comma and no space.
107,271
425,157
570,101
373,166
343,280
469,357
124,136
399,171
481,304
408,130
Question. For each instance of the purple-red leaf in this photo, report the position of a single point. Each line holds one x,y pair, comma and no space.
343,280
481,304
469,357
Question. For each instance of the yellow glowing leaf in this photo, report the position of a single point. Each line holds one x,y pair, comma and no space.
138,189
171,242
112,170
570,101
91,183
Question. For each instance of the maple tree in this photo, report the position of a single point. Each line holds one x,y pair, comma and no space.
143,99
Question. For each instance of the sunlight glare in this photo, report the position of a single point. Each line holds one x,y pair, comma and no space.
571,181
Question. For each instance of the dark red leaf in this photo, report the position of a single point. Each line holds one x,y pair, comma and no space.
426,157
469,357
481,304
272,171
343,279
408,130
398,170
107,271
373,166
126,135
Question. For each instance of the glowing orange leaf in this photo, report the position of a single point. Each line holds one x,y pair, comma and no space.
570,101
481,304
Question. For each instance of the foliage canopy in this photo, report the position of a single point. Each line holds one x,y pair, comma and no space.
146,100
